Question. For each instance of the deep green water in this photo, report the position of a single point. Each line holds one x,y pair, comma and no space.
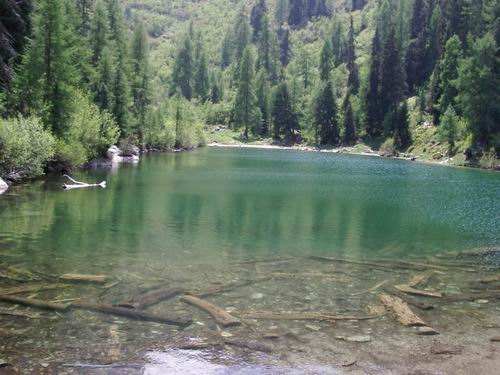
216,204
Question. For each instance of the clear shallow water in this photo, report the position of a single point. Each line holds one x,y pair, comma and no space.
241,203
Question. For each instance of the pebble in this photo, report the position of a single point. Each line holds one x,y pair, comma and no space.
360,338
257,296
226,334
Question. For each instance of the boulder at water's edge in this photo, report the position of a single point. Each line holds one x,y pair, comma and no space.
3,186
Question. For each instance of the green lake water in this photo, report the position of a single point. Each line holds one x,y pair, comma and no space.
226,203
215,216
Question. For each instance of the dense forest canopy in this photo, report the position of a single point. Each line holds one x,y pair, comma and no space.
81,74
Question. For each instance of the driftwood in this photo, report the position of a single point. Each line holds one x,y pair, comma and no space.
375,287
495,339
267,315
78,184
132,314
225,288
426,331
401,311
151,298
408,289
409,299
16,274
385,264
39,304
421,279
490,279
30,289
220,315
84,278
471,297
20,314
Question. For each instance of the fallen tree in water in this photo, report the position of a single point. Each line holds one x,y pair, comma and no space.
220,315
79,184
151,298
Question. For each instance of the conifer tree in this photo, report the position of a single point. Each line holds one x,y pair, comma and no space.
215,88
47,76
201,78
141,78
325,116
296,12
352,66
402,135
479,94
259,11
392,83
262,89
246,109
99,31
182,72
284,42
281,12
285,119
267,49
326,61
350,130
449,74
103,90
374,114
339,43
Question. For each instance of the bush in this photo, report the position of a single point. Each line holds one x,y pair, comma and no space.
388,148
489,159
25,147
90,132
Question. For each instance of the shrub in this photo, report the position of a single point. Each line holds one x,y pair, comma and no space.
489,159
25,147
90,132
388,148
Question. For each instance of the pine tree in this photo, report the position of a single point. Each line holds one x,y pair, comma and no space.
99,31
350,127
285,119
103,90
84,8
339,43
402,135
246,110
284,42
226,52
262,89
358,4
201,79
449,74
392,82
259,11
267,50
448,128
352,67
325,116
478,86
242,34
215,88
182,72
326,61
374,114
141,78
281,12
47,77
296,12
121,86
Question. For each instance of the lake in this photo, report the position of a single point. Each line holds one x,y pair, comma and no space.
215,216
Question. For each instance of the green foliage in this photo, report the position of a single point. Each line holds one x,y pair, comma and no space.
284,116
448,128
449,73
479,93
325,117
90,132
247,114
25,146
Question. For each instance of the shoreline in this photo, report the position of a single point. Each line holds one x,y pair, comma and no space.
344,151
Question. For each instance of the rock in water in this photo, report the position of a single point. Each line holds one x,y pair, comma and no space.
3,186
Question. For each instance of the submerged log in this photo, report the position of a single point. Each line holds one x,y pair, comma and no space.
490,279
220,315
385,264
17,274
151,298
472,296
133,314
401,311
408,289
79,185
268,315
375,287
409,299
36,303
30,289
439,348
84,278
226,288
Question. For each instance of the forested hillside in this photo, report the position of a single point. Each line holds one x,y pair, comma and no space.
405,76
